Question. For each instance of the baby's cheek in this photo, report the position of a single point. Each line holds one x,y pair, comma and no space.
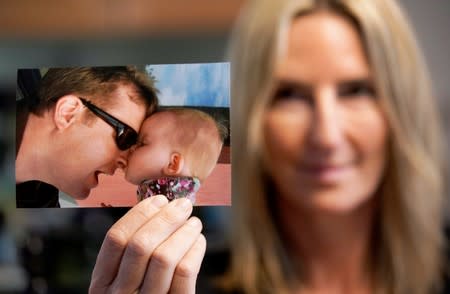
131,169
127,174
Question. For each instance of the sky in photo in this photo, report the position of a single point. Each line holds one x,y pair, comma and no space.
195,84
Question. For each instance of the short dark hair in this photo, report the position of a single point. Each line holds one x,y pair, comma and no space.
95,83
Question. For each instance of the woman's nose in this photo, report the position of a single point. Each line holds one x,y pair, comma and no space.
326,130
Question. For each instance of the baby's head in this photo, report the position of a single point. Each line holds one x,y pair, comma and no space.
175,142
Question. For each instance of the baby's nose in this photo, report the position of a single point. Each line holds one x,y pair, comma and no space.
121,162
132,148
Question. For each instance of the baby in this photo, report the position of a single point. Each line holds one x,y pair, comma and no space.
177,149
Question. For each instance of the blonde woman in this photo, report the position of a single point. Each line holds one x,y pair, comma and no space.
337,154
337,165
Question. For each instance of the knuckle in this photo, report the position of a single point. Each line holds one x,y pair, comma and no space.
113,290
116,238
142,213
200,245
94,289
170,217
195,224
201,241
189,268
186,270
116,289
139,246
162,259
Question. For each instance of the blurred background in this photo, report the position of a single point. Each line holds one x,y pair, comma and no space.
54,250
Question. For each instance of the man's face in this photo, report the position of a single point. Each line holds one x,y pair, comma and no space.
89,149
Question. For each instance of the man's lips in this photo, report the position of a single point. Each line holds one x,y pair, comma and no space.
98,173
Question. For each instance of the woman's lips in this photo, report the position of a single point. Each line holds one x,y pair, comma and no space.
326,173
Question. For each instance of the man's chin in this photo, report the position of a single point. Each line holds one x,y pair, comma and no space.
78,194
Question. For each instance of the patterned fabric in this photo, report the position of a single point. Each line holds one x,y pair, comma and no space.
172,188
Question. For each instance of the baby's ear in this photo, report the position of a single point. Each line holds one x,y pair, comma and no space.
175,165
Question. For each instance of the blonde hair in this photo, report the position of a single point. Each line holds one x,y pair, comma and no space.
409,234
197,136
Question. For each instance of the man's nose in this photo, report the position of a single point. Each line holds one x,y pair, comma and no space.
325,129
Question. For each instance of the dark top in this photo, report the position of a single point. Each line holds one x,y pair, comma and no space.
36,194
216,263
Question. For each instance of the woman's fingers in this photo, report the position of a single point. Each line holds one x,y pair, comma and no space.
151,249
186,272
139,252
116,240
166,258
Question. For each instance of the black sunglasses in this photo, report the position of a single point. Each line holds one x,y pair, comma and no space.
125,135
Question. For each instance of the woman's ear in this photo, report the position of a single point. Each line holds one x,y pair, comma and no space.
66,109
175,165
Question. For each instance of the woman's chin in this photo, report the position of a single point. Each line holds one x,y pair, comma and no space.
332,201
337,206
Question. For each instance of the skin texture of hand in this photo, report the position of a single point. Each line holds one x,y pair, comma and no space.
154,248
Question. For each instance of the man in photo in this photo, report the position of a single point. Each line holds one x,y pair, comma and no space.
80,124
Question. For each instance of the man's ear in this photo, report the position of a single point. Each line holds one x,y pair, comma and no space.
175,164
66,109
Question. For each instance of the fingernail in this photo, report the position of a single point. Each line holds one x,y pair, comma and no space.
193,222
183,203
158,200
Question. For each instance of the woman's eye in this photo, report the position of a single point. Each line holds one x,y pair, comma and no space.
289,93
357,89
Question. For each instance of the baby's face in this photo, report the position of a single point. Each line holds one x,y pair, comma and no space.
152,152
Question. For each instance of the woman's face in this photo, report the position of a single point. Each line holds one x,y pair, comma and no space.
325,132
